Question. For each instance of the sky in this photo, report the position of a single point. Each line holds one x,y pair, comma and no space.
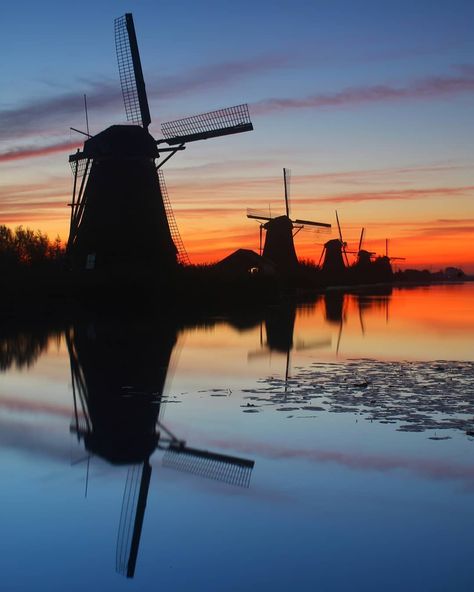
370,104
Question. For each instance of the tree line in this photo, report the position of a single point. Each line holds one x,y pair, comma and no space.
26,248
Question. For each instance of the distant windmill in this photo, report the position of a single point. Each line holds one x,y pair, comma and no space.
279,245
333,251
121,216
364,257
391,258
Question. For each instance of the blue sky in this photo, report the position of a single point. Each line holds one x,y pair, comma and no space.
357,98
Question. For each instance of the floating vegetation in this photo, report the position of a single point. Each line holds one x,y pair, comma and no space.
416,396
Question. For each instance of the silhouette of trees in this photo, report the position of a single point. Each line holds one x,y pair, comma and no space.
24,247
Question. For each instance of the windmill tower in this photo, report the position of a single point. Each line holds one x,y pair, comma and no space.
280,232
121,216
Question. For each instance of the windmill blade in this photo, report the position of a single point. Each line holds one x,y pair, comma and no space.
229,469
183,257
286,182
339,228
260,214
361,239
343,244
130,70
223,122
131,518
312,223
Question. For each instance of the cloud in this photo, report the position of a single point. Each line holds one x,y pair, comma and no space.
398,194
445,230
221,74
42,113
34,201
431,87
35,151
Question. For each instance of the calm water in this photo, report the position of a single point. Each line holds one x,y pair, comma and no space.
324,447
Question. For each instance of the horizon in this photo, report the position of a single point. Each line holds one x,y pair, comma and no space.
370,107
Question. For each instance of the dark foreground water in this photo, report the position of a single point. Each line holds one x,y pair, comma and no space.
326,447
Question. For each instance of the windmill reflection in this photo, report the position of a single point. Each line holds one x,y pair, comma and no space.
119,374
277,324
337,305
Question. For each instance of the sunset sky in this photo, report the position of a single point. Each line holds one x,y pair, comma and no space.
370,104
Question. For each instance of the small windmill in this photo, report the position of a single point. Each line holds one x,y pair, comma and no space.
364,257
121,216
333,252
280,231
391,258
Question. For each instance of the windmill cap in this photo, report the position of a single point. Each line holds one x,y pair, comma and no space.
121,141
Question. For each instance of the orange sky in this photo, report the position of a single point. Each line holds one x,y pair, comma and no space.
373,115
427,213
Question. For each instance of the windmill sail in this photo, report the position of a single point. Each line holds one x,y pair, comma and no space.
231,120
182,254
133,510
130,70
221,467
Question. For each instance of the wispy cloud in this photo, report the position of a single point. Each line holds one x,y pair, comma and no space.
430,87
36,151
33,201
40,114
398,194
215,75
62,109
444,230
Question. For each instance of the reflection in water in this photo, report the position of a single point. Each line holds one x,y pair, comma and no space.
371,482
278,322
22,348
118,376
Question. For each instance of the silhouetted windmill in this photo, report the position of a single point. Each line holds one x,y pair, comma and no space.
391,258
364,257
334,264
121,216
279,245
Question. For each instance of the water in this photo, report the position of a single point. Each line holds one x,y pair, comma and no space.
327,447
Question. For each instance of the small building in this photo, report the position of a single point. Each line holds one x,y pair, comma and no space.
246,262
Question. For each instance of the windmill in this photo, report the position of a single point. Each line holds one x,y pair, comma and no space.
391,258
364,257
280,230
382,265
335,255
121,216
